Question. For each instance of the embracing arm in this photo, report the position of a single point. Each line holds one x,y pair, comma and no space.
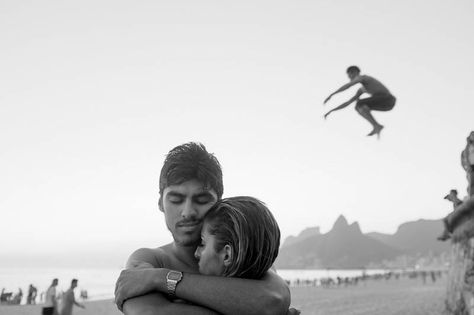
227,295
154,303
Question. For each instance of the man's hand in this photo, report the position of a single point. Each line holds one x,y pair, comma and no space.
135,282
327,99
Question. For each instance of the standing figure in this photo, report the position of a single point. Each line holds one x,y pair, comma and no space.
467,161
69,300
381,99
50,303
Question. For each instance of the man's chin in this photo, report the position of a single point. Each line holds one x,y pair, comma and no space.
187,242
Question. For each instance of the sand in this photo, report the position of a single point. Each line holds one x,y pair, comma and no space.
388,297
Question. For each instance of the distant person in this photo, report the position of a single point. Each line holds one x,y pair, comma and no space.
50,306
190,184
467,161
381,99
240,238
31,297
69,300
453,197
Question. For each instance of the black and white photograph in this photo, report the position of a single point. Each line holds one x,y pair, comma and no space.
237,157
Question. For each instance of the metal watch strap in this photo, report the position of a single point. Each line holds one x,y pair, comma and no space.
172,283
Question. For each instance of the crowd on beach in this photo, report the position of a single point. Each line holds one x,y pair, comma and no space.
32,297
338,282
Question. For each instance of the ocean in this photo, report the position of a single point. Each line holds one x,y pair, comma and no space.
100,283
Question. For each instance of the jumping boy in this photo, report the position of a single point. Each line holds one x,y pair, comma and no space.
381,99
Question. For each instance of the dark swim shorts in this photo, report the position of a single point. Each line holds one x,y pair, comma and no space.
381,102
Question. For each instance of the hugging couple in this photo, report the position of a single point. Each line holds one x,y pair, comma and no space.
220,261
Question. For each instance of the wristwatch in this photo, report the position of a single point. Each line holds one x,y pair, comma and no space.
172,280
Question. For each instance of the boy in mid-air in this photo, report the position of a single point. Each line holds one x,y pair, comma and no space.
380,98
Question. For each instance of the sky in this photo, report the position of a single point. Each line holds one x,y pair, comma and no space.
93,94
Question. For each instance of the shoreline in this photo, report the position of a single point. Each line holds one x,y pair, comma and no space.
375,297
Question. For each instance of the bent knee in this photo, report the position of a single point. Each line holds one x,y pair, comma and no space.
361,107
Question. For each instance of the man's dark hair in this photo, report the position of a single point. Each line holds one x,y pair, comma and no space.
73,281
353,69
191,161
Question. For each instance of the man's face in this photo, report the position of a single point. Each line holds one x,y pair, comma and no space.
352,75
211,263
184,206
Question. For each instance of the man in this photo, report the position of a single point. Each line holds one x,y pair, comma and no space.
190,183
453,197
50,306
381,99
69,300
467,161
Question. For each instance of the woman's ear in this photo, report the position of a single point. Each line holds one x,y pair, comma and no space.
160,204
227,253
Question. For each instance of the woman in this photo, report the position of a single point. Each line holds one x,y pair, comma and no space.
240,238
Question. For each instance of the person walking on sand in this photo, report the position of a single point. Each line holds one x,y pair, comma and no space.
381,99
69,300
50,303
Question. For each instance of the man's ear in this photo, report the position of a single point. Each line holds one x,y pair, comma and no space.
228,254
160,204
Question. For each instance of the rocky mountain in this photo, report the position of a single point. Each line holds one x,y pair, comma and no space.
415,238
345,246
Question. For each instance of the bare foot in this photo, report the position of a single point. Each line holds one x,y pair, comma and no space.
376,131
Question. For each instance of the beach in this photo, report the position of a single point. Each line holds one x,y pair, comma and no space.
389,297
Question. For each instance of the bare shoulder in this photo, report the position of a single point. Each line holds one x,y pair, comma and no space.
149,258
365,78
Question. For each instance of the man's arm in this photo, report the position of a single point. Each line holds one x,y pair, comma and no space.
154,303
345,104
343,88
225,295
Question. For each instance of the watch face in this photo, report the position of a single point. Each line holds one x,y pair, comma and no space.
174,275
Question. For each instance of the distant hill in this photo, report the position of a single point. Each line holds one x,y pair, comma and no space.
308,232
345,246
415,238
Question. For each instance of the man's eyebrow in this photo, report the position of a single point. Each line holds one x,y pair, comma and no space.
203,194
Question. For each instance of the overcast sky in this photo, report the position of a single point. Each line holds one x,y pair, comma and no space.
93,94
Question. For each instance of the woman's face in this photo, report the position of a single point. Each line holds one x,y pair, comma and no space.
211,263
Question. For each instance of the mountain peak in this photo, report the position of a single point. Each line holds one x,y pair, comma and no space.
341,222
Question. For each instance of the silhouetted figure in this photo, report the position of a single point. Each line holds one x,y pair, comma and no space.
467,161
31,297
381,99
453,197
433,276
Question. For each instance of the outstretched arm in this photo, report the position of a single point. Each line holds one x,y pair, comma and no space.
269,295
343,88
345,104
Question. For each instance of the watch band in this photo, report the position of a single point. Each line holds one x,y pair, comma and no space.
172,280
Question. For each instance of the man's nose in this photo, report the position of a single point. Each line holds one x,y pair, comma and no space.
189,212
197,253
